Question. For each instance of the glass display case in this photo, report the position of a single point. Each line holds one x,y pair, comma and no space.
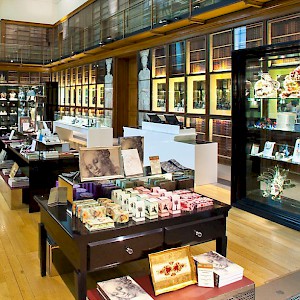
159,94
177,94
220,97
196,102
266,132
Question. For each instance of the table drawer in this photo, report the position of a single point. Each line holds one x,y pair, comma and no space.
195,232
122,249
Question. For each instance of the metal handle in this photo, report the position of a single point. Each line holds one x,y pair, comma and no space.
198,234
129,250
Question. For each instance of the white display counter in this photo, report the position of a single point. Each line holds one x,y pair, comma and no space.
179,144
90,136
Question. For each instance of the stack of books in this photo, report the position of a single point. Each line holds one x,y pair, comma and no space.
225,271
122,288
50,154
6,164
34,155
18,182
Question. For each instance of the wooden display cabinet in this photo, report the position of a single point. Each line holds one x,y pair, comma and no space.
100,96
85,95
78,95
79,76
177,94
73,77
63,78
61,96
73,96
220,94
68,77
92,95
86,72
196,100
67,96
159,94
93,74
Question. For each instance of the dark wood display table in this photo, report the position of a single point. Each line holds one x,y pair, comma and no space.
91,251
42,173
242,289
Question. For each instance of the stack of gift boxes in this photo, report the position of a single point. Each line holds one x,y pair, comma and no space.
136,203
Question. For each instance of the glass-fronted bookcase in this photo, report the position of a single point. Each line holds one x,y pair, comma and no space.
266,132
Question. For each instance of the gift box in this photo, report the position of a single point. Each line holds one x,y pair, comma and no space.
163,206
114,194
120,216
175,207
92,212
138,212
151,208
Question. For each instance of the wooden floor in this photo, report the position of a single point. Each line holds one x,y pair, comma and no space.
265,249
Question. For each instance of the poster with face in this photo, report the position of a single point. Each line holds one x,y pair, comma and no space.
100,163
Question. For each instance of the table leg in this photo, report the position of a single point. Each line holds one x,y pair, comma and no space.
42,248
80,285
221,245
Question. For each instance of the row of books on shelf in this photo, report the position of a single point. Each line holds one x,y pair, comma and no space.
208,270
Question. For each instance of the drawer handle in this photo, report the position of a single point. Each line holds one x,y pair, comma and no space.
198,233
129,250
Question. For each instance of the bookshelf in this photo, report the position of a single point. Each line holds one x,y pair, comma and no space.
196,50
221,47
159,62
199,123
221,133
285,29
177,58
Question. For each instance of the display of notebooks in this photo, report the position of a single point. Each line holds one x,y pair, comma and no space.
168,167
225,271
57,196
18,182
155,165
131,162
122,288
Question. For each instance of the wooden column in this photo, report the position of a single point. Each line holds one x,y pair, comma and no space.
125,94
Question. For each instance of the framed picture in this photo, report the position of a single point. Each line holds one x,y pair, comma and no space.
172,269
133,142
100,163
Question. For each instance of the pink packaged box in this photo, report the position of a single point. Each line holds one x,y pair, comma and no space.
175,207
163,206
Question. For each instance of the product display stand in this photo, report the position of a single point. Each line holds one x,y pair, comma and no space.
86,136
126,242
171,142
